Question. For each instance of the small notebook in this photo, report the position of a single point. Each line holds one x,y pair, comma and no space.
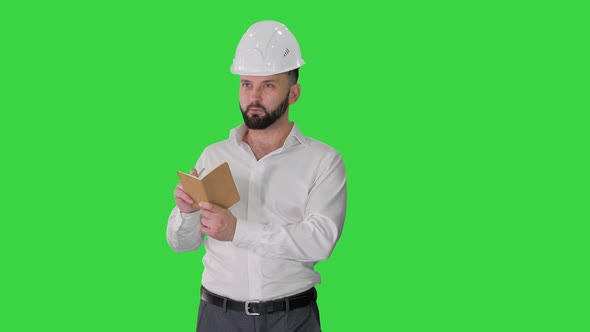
217,187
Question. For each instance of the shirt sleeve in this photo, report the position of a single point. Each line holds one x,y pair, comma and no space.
183,232
314,238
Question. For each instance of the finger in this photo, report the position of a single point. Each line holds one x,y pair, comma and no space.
182,195
194,172
208,206
205,230
205,214
179,189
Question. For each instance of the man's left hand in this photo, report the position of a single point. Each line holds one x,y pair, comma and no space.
217,222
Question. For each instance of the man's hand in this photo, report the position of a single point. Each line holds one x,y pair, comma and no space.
217,222
183,201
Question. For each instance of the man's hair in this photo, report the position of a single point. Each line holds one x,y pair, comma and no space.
293,75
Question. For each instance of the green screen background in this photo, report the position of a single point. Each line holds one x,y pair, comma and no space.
463,127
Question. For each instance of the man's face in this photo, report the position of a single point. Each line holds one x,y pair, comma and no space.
263,99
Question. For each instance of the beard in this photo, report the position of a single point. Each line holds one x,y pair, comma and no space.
262,122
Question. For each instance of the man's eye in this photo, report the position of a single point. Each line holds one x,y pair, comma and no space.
268,85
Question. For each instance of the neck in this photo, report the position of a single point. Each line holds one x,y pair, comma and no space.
265,141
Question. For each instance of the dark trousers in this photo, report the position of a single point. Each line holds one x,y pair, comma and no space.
214,319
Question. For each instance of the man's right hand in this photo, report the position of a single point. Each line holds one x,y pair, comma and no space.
183,201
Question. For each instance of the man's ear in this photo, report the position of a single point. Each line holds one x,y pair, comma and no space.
294,93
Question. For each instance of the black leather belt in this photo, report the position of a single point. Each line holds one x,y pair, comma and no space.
255,308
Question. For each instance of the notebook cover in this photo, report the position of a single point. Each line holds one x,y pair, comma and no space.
217,187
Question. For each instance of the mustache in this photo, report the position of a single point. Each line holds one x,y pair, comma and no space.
256,105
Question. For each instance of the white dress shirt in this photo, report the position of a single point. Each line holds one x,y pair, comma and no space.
289,217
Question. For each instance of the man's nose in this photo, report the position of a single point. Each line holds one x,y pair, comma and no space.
255,95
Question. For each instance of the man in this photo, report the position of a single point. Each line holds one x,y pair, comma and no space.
260,253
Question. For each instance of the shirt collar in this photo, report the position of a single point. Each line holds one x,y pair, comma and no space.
237,133
295,136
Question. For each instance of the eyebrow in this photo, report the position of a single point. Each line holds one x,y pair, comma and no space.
265,81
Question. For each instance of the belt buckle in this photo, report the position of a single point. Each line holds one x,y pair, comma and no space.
247,308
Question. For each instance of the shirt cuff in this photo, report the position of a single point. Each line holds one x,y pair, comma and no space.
190,220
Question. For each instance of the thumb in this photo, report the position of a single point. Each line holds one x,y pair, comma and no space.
194,171
208,206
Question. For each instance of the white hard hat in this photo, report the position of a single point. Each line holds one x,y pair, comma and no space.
267,48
